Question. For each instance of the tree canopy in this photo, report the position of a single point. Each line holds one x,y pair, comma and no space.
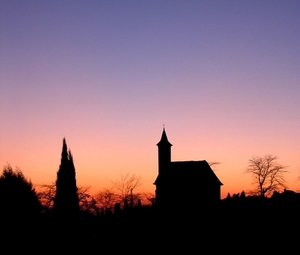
66,199
18,196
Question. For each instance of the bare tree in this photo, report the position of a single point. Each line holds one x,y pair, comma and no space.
148,198
267,173
87,202
213,163
126,189
46,195
106,198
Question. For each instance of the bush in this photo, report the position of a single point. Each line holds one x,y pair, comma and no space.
18,197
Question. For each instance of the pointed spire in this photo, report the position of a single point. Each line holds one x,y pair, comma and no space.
164,139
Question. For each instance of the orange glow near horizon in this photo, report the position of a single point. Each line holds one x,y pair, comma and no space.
97,168
223,76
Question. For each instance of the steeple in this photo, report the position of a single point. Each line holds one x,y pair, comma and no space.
164,140
164,153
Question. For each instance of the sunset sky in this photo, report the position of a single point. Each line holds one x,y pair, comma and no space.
223,77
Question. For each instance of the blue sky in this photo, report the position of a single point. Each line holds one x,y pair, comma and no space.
222,76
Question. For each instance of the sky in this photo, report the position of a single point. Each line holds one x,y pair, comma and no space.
222,77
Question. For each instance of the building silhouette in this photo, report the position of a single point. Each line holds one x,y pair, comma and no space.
184,183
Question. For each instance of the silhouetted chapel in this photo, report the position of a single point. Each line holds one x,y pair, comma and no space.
184,183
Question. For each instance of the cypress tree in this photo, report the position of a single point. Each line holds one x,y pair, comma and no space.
66,200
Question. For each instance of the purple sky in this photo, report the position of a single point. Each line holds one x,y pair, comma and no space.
222,76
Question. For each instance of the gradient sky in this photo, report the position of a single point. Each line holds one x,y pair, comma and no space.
222,76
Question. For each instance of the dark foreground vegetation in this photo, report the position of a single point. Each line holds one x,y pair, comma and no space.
259,225
65,219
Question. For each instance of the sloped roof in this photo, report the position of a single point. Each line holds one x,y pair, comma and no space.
188,172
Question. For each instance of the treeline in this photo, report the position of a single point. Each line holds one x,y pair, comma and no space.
19,196
63,214
25,217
